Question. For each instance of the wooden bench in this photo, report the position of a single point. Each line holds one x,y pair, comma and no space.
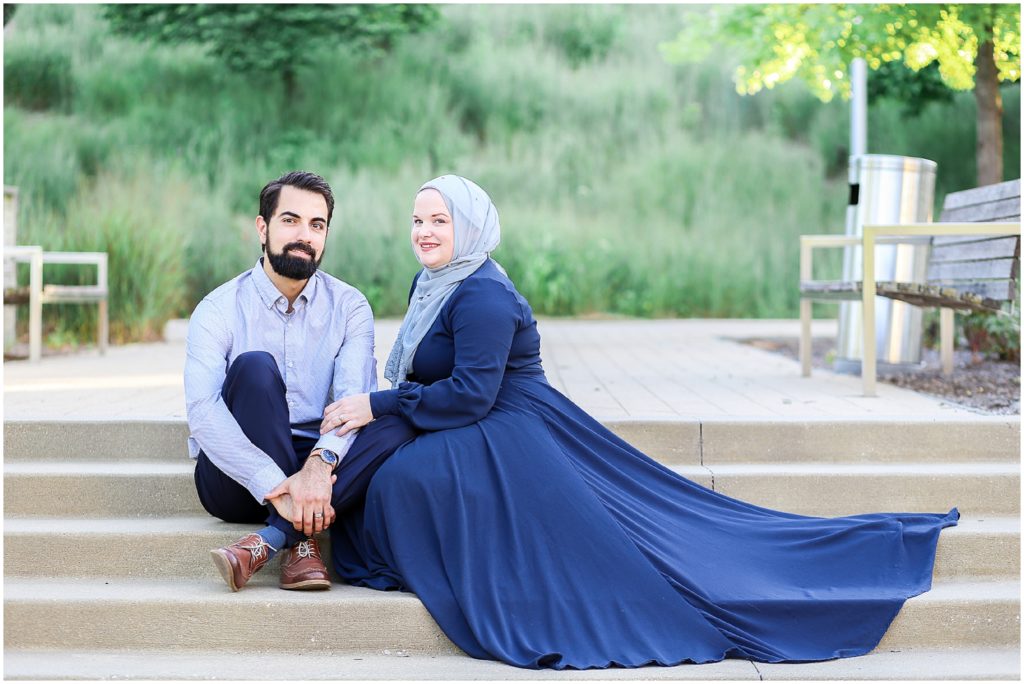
36,293
973,265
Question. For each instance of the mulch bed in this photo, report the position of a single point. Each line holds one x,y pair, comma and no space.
983,385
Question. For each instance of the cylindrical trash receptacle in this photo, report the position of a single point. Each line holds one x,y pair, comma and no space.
885,190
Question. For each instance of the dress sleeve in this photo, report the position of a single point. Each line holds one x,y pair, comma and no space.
484,317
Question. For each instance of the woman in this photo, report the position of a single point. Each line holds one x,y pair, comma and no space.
535,536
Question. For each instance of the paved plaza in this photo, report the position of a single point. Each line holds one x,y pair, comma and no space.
615,369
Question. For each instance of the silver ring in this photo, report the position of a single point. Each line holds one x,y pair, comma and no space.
318,515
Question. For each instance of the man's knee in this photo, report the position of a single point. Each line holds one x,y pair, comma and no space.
254,369
255,364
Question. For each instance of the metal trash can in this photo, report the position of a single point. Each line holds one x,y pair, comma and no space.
886,189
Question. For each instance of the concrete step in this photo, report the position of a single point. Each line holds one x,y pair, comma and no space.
178,547
943,664
109,488
96,614
153,489
848,488
670,440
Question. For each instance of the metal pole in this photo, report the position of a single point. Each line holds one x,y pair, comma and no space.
858,107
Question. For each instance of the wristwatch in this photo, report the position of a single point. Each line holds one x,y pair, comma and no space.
330,458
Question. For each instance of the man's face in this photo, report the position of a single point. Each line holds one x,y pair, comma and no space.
295,235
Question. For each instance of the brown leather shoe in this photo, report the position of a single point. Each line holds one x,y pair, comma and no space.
239,561
303,568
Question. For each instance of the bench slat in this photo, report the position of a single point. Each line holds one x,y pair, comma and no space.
917,294
73,293
989,248
996,290
986,193
1002,210
981,269
16,295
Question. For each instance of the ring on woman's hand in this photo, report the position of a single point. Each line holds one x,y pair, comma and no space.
318,514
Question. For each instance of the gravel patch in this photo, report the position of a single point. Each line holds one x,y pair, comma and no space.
983,385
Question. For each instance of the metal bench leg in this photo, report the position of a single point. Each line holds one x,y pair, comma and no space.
104,327
35,308
805,337
946,339
868,367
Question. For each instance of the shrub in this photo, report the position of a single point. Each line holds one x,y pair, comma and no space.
37,76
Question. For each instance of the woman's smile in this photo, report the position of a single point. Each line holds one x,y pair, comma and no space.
433,234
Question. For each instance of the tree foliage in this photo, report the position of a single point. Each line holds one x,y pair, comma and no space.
270,38
816,43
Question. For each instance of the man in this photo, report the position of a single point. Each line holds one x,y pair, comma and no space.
267,353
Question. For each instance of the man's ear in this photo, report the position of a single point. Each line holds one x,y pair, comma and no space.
261,230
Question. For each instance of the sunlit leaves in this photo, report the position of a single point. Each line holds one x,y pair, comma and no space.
816,43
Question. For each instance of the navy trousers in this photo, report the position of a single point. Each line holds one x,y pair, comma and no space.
254,392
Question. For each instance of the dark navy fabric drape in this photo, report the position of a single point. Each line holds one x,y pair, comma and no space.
535,536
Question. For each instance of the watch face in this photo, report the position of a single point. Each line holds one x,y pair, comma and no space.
329,457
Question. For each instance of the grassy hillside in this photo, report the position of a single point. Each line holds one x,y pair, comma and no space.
625,185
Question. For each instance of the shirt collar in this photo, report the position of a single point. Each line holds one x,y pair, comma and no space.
269,292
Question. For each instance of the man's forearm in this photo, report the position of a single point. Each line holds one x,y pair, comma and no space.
228,448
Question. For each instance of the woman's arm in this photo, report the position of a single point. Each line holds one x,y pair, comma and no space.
484,317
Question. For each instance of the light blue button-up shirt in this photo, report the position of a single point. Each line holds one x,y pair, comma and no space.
323,348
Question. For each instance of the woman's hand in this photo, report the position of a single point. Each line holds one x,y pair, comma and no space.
347,414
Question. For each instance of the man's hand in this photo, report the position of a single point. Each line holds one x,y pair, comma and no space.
283,504
348,414
305,494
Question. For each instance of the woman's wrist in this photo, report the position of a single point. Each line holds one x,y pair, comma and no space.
384,403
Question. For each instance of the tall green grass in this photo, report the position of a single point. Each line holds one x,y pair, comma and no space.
625,185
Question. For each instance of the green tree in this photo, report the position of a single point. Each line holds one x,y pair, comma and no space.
975,47
270,38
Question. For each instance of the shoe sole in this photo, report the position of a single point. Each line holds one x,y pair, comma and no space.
308,585
220,559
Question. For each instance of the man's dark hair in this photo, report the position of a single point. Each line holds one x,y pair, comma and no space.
303,180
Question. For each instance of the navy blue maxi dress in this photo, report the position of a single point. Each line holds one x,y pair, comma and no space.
535,536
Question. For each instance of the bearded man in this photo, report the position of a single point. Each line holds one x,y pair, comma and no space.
268,353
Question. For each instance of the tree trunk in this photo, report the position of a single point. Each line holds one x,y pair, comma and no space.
291,87
990,116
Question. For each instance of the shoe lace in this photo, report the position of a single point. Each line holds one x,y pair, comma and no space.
305,549
257,552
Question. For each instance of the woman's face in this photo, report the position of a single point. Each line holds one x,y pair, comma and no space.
433,236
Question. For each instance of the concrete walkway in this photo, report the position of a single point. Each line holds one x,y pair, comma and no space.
614,369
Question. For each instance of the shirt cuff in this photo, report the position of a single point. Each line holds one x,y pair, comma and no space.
384,403
339,445
264,481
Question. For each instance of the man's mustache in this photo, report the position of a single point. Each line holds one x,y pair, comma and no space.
300,246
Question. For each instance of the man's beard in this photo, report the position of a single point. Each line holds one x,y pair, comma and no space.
287,265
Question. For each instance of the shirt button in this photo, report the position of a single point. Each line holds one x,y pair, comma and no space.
291,364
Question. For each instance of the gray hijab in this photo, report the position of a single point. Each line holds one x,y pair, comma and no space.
477,233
